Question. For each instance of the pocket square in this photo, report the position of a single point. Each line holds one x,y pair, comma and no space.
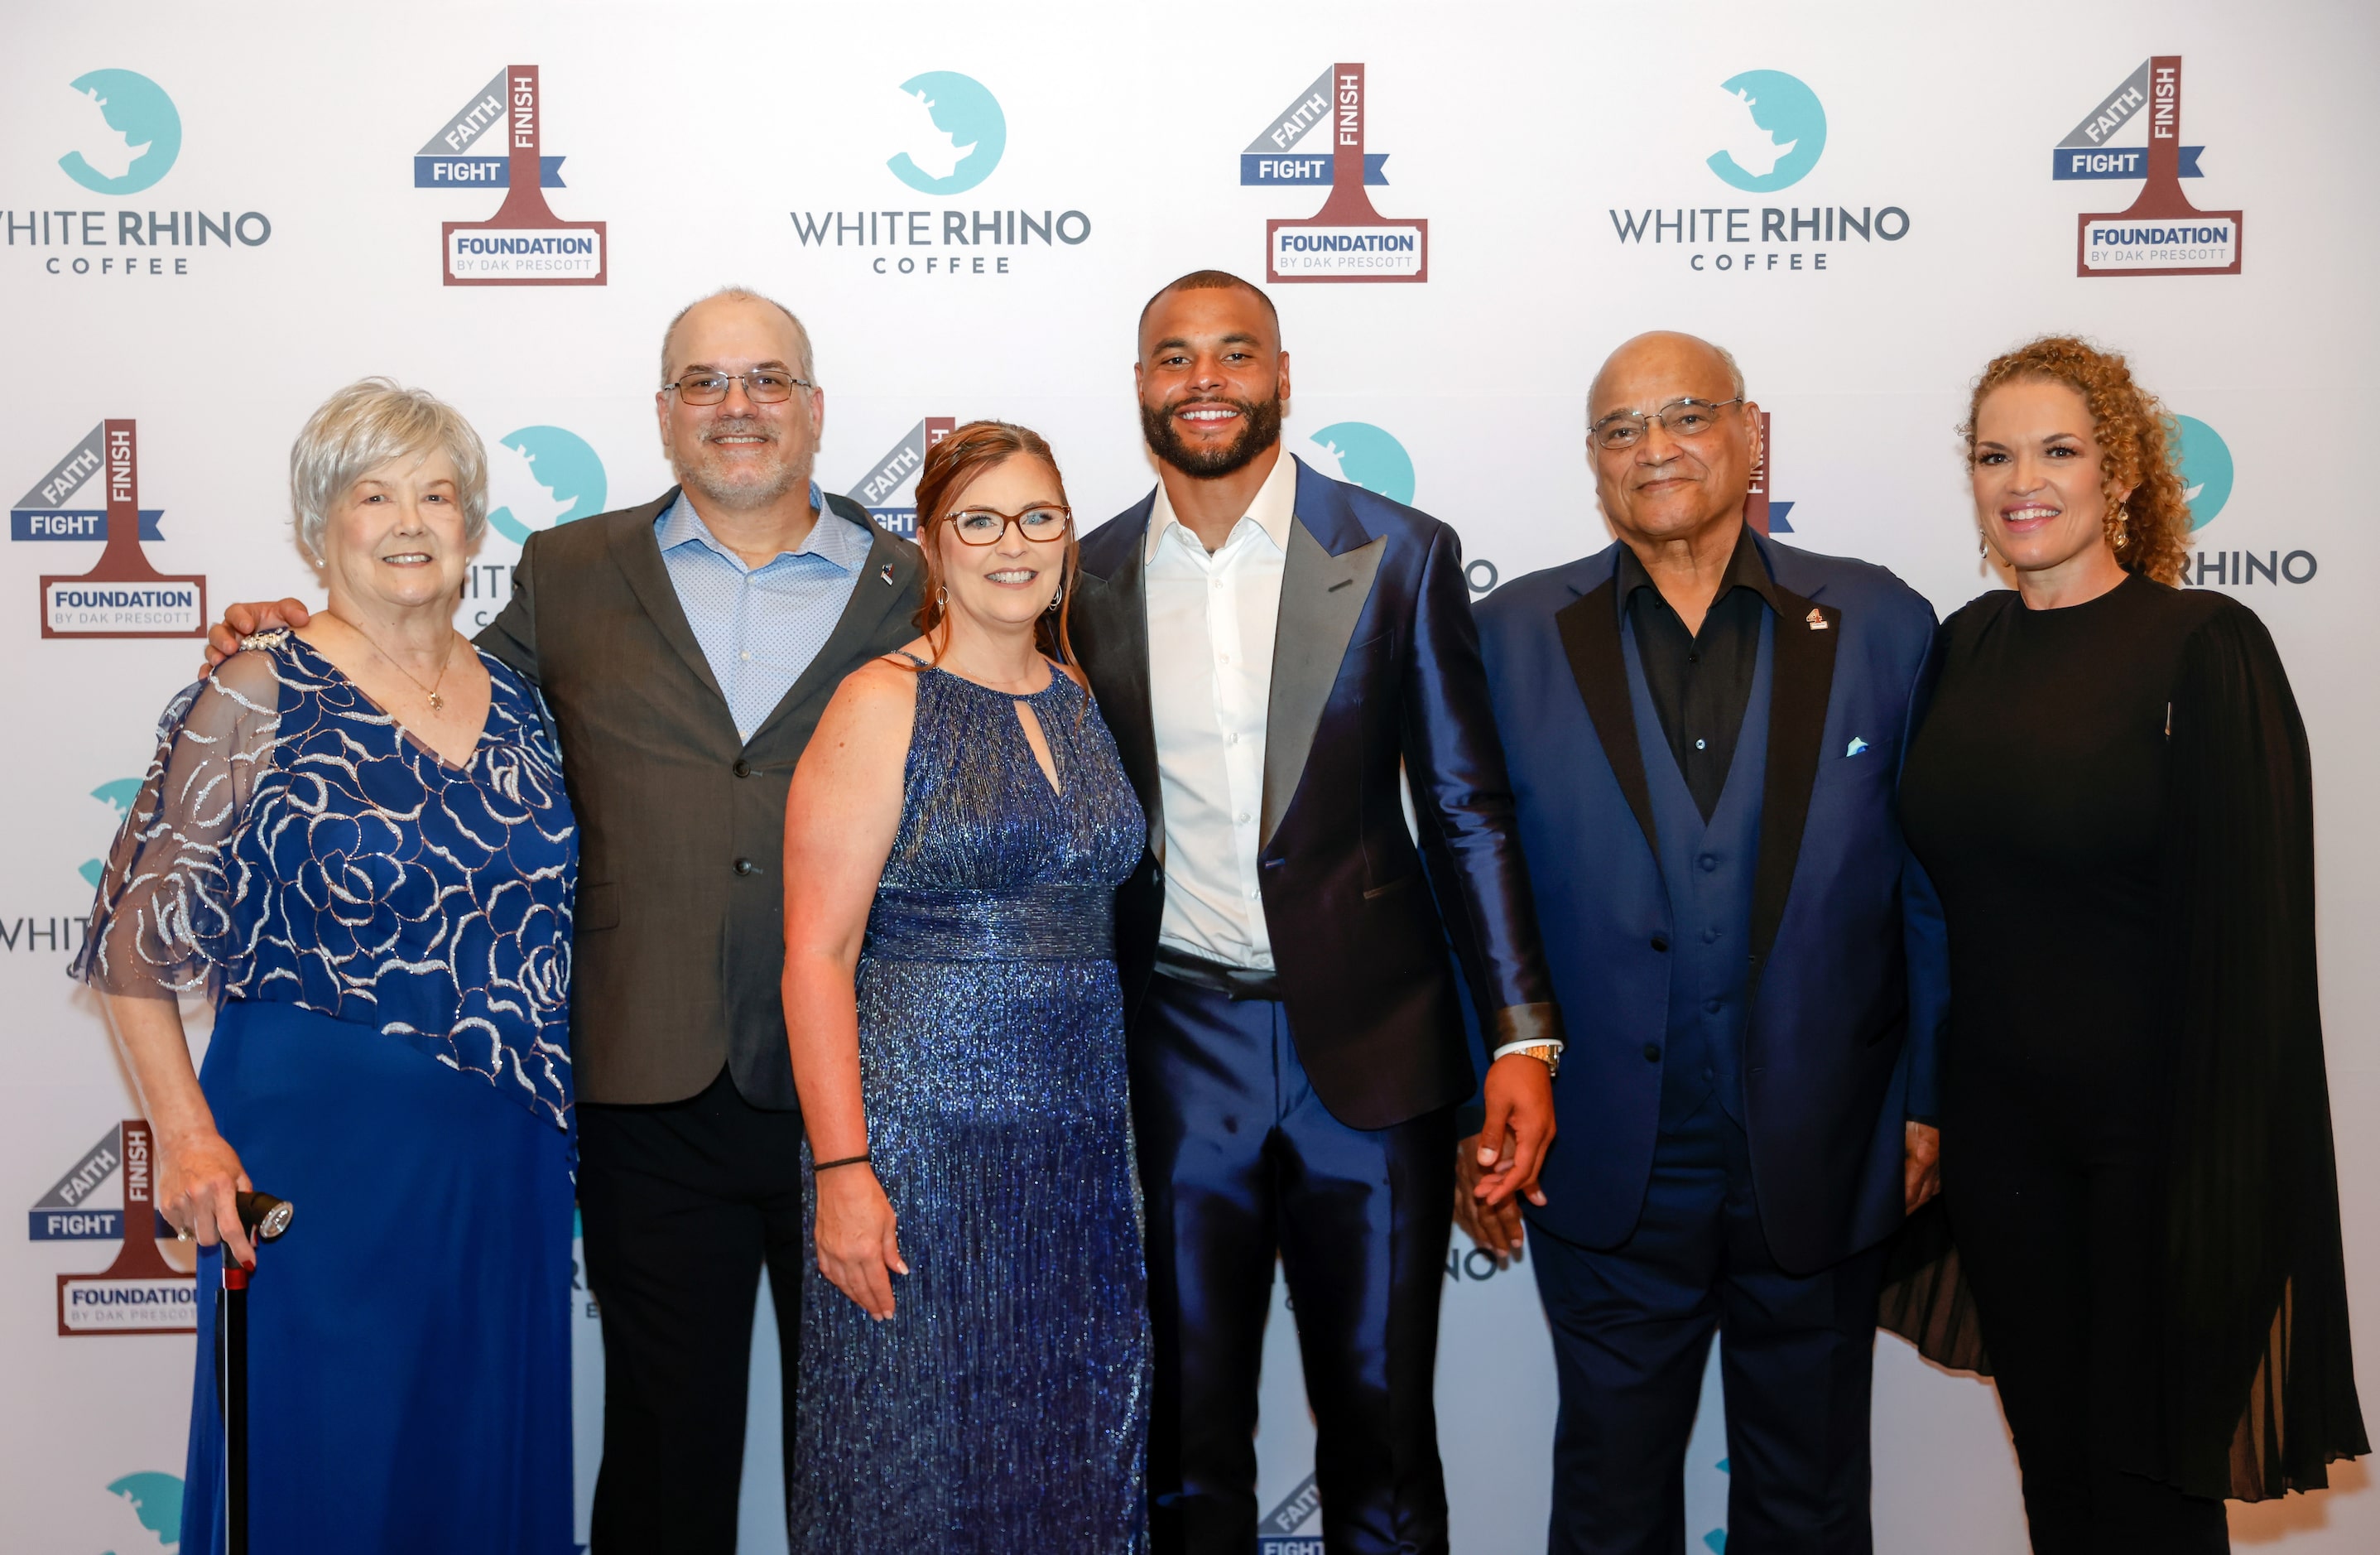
1856,745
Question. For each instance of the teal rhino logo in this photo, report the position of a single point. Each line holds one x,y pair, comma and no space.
2205,462
957,135
128,136
1368,457
119,793
539,477
1777,134
156,1500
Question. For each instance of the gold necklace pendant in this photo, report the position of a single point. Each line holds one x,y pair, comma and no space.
437,702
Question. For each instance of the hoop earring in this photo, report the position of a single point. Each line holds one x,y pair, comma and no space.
1055,601
943,600
1983,545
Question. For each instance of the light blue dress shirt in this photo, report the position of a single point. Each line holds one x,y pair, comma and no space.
759,627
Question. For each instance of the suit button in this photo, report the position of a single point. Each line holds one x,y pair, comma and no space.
1711,1005
1661,944
742,767
1652,1052
1710,861
1709,935
746,866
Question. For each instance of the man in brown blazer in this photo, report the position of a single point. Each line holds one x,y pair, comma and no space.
687,648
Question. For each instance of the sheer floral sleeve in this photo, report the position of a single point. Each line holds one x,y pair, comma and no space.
166,922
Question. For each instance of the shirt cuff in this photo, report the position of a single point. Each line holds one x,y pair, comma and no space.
1553,1042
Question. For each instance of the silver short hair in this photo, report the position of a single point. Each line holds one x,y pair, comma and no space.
366,425
807,367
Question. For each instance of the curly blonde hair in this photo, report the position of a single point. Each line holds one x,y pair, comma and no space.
2137,440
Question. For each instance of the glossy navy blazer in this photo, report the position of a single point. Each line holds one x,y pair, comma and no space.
1849,972
1375,670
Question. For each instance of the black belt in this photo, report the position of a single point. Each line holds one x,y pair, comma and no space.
1217,977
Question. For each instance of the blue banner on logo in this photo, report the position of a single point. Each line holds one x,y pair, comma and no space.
38,523
480,171
85,1225
2115,162
1289,167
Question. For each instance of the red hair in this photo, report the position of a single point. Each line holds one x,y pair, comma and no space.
951,468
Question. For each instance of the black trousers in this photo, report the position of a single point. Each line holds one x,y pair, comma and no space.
1239,1158
2052,1187
682,1204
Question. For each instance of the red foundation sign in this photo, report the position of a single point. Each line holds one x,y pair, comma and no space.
139,1292
2163,234
1347,241
526,244
123,596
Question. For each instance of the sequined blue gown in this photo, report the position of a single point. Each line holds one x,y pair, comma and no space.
387,939
1004,1406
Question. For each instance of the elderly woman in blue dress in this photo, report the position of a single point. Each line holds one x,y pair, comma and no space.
355,840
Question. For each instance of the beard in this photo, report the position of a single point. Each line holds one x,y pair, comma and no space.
1259,429
752,486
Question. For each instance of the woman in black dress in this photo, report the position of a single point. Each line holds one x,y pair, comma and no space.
2113,794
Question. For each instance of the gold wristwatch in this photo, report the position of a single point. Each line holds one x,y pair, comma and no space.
1548,1054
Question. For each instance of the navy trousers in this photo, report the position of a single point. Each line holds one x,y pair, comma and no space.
1239,1159
1632,1329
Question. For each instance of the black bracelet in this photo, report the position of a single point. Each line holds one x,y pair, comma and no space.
849,1160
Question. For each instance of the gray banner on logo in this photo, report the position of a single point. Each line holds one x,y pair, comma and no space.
2110,116
65,478
97,1164
1306,110
906,458
475,118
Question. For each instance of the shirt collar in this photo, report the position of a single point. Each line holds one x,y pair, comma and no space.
1274,508
1745,569
833,537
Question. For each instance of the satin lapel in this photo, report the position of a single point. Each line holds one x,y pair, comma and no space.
872,603
1321,597
640,556
1115,657
1803,679
1589,627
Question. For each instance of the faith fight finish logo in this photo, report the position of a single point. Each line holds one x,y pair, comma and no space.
949,135
123,596
879,491
1762,511
494,141
1771,130
122,135
1347,239
2162,233
139,1292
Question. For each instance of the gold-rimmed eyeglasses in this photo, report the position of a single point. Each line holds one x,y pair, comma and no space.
984,526
1685,418
765,386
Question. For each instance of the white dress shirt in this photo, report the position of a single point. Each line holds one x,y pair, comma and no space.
1211,622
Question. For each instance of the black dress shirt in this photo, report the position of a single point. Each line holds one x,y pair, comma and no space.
1700,681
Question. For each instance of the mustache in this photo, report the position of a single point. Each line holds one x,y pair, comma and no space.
737,426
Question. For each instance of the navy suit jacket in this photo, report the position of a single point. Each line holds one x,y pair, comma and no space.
1849,972
1376,669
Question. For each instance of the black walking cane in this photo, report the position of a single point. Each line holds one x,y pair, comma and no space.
264,1218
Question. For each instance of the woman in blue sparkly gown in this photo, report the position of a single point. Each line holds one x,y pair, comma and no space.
357,842
975,1366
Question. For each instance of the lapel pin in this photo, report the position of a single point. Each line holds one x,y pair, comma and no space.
885,572
1816,621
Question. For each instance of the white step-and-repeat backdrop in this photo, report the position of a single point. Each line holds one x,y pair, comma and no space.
210,218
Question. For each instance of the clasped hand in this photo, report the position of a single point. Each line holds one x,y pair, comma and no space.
857,1247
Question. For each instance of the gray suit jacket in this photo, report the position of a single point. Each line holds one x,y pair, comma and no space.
680,935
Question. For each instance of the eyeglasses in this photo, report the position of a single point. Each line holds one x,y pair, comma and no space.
984,526
1683,419
761,388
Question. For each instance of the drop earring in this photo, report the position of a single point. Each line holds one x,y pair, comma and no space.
1983,545
1056,600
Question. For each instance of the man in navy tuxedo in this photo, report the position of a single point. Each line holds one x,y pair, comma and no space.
1704,730
1279,655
